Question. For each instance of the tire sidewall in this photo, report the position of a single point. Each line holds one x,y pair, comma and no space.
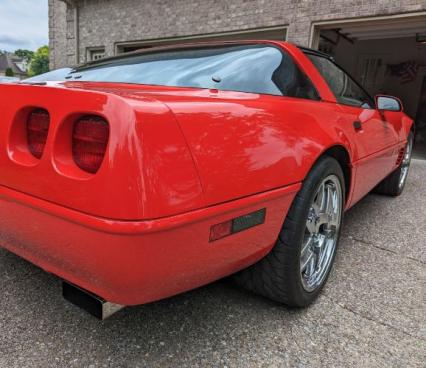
324,167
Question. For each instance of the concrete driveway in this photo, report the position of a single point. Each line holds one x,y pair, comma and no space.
372,312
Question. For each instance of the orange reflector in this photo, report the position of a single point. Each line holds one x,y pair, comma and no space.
219,231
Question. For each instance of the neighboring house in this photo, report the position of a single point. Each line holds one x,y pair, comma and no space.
381,42
18,65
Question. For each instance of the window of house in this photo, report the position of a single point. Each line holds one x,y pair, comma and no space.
344,88
95,54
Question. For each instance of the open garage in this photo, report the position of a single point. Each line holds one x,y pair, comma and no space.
387,55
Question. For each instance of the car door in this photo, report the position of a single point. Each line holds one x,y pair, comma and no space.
376,138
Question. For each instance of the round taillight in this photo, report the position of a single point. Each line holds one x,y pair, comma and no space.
89,142
37,130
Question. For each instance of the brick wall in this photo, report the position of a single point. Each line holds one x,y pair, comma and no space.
57,34
107,22
62,35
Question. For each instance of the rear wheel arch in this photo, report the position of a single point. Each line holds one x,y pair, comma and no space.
342,156
281,273
408,126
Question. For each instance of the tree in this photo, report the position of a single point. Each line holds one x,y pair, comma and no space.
40,61
9,72
24,54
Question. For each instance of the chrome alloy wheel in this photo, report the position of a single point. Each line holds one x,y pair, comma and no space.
405,165
321,233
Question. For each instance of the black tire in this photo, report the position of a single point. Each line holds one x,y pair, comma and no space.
391,185
277,276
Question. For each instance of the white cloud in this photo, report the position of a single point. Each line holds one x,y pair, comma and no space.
23,24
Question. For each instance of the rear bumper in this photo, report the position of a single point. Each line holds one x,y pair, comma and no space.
136,262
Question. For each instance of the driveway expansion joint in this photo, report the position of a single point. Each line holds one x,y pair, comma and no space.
365,243
371,319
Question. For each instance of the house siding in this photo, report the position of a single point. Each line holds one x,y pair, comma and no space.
108,22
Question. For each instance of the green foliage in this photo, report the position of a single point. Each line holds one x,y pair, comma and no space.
40,61
9,72
24,54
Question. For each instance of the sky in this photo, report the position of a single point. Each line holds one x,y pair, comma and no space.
23,24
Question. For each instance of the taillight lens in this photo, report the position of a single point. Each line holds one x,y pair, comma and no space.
37,130
89,142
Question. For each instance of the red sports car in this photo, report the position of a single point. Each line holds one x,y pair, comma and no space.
138,177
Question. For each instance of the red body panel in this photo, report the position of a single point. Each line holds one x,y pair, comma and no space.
179,160
135,180
137,262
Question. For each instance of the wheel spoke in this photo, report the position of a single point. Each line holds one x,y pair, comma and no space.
407,155
311,222
329,201
318,204
322,226
323,252
319,244
311,265
307,246
334,215
306,261
406,163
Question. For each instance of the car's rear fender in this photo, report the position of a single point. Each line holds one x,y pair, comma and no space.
246,143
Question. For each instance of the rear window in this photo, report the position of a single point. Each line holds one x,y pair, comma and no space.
247,68
55,75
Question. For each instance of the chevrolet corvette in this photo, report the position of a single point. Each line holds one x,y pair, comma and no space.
144,175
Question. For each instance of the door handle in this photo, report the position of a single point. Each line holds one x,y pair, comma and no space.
357,125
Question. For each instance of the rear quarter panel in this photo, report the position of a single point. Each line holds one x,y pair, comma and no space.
247,143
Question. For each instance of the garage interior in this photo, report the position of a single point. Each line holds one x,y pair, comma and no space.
387,56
